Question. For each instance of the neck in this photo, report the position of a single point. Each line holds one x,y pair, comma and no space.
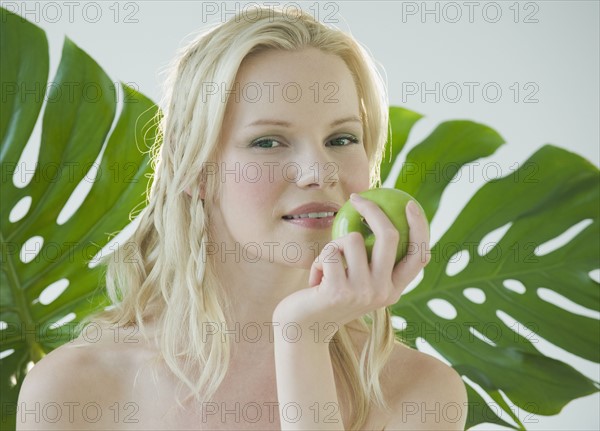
255,289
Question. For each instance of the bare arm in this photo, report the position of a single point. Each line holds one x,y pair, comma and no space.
305,381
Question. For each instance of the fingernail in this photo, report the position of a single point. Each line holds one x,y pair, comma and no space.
413,208
356,198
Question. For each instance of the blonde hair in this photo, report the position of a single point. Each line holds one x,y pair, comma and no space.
164,267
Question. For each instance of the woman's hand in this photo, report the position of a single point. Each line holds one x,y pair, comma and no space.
340,295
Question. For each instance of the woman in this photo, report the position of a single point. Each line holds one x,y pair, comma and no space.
225,288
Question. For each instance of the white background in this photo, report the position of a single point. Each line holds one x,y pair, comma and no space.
553,48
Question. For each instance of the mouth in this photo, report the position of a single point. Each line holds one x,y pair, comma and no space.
313,215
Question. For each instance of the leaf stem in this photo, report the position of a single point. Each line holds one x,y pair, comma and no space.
22,310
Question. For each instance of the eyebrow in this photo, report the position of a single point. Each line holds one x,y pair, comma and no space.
287,124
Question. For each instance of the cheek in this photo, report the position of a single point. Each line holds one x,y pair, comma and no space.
355,174
251,193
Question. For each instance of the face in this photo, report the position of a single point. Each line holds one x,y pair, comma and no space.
283,145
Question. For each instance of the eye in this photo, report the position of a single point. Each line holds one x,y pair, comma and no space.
263,143
352,139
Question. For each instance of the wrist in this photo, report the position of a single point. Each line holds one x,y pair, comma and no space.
294,332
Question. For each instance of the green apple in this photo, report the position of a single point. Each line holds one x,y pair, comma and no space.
392,202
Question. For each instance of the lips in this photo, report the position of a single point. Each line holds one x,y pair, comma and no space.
311,215
313,207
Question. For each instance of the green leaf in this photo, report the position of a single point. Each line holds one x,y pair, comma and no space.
76,136
401,122
24,64
430,166
480,412
492,339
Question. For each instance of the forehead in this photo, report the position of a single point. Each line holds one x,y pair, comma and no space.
291,83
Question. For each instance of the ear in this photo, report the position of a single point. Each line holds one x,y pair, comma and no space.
202,191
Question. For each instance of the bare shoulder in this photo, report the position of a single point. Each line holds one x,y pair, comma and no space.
422,391
427,393
72,385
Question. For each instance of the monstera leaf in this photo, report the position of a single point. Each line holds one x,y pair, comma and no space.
45,246
486,317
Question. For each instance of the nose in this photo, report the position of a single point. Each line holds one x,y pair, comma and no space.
320,174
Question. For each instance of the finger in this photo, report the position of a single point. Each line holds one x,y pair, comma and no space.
355,253
383,255
328,264
316,274
418,254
